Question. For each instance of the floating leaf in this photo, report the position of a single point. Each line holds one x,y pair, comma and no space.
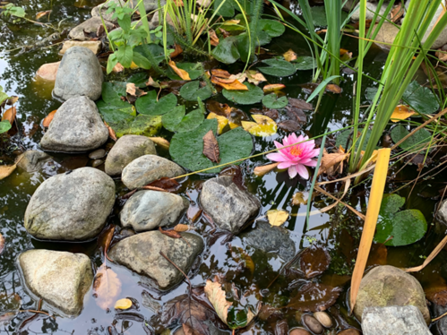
314,261
46,122
400,113
314,297
264,126
149,105
186,148
106,286
6,170
230,85
194,71
271,27
273,101
277,217
289,126
304,63
187,330
216,296
123,304
399,228
278,68
273,88
9,115
264,169
301,104
299,198
211,147
334,88
177,121
252,96
290,55
222,121
226,52
421,99
254,77
165,183
415,141
191,91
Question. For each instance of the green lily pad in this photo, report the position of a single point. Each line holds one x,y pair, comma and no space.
271,27
342,138
4,126
139,79
113,113
278,67
416,141
177,121
224,7
194,70
187,148
305,63
191,91
148,104
147,125
226,51
252,96
421,99
272,101
113,91
370,93
399,228
146,49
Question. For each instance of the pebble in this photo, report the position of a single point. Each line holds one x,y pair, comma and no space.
324,319
313,324
350,331
299,331
97,154
97,162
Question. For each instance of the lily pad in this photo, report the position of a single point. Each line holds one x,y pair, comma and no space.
111,107
252,96
177,121
264,126
139,79
272,101
305,63
187,148
421,99
226,51
194,70
224,7
146,125
417,140
278,67
191,91
271,27
399,228
113,91
342,139
148,104
4,126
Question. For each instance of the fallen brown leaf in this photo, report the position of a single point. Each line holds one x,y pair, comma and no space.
216,296
331,162
2,243
183,227
187,330
254,77
289,125
177,51
290,55
131,89
301,104
46,122
229,84
181,73
211,147
106,286
118,68
214,40
314,297
10,115
193,213
170,233
105,238
334,88
264,169
220,73
41,14
442,55
166,183
397,12
161,142
314,261
112,134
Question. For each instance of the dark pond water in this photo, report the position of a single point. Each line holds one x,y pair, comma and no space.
338,231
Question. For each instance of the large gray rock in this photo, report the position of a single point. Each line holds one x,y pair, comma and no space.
76,127
147,169
61,279
386,34
228,206
79,73
72,206
395,320
386,286
371,8
141,253
32,160
149,6
270,240
147,210
125,150
442,213
90,26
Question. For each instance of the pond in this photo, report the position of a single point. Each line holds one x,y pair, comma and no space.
337,231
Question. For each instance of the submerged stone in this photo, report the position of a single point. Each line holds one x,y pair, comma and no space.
228,205
93,46
141,253
72,206
32,160
61,279
90,26
48,71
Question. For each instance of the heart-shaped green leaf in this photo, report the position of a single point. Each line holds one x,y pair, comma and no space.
271,27
4,126
191,91
278,67
272,101
226,51
305,63
177,121
421,99
415,141
252,96
148,104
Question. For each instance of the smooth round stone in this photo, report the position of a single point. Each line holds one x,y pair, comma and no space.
97,154
299,331
313,324
324,319
350,331
97,162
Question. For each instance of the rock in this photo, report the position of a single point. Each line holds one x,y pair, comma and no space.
97,154
299,331
149,6
155,21
32,160
227,205
48,71
396,320
385,286
97,162
147,210
73,206
87,27
147,169
386,34
442,213
76,127
349,331
270,240
312,324
324,319
125,150
371,8
61,279
141,253
93,46
79,74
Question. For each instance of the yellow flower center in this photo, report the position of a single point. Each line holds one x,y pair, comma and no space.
296,151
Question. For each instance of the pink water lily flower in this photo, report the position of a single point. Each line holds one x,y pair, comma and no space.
296,157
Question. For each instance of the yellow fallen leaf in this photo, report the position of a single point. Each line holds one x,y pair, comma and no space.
181,73
290,55
222,121
330,163
231,22
264,126
277,216
6,170
401,112
299,198
10,115
161,142
134,66
264,169
229,84
273,88
46,122
254,77
123,304
216,296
